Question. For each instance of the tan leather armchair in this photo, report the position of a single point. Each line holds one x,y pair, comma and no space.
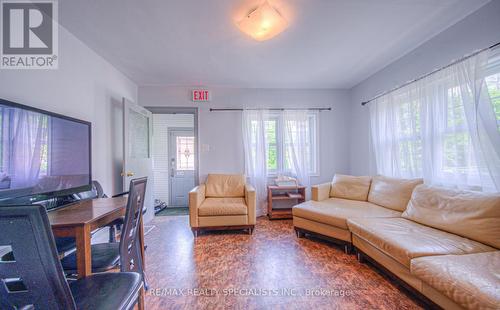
222,202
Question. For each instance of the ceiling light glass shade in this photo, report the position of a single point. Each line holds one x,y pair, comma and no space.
263,23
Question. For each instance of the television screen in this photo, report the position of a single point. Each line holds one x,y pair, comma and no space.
42,153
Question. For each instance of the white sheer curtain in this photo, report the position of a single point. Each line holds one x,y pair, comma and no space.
298,144
442,128
481,117
255,146
23,154
294,139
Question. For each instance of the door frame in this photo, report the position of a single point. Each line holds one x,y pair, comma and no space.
185,110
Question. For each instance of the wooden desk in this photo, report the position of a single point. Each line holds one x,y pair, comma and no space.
80,219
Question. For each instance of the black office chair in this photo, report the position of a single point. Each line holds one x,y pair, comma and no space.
127,252
35,278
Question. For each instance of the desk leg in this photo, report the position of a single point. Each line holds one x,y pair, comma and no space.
83,255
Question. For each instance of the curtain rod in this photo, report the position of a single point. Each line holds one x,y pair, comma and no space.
270,109
432,72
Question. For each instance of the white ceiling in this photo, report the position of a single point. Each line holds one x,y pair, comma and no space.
329,43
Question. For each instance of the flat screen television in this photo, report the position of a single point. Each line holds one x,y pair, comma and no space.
43,155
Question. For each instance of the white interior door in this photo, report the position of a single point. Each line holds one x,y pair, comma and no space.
181,165
137,151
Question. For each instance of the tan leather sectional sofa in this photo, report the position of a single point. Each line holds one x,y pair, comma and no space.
443,243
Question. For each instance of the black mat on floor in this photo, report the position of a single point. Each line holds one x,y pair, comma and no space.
173,211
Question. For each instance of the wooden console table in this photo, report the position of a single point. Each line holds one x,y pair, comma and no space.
80,219
275,193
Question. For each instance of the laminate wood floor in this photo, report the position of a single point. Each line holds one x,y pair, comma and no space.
271,269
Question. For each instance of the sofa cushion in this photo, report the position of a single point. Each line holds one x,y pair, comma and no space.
472,280
473,215
223,206
392,193
225,185
350,187
404,240
336,211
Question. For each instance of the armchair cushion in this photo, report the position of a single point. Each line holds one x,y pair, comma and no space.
223,206
225,185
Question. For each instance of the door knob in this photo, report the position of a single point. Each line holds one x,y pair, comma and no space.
129,174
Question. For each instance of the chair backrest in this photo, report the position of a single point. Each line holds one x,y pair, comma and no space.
225,185
130,251
34,277
97,187
95,192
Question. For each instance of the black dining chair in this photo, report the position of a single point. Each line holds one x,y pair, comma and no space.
118,223
127,252
66,244
63,245
98,192
34,279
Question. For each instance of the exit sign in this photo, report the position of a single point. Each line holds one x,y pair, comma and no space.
201,95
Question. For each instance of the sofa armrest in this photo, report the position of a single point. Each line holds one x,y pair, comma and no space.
196,197
321,191
251,201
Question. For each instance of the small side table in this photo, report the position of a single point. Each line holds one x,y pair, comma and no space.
275,193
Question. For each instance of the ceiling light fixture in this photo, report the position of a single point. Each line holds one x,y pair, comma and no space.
263,23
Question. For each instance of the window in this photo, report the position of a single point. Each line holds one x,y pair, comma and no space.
493,84
185,153
278,159
457,152
272,159
44,147
409,135
23,133
429,128
138,135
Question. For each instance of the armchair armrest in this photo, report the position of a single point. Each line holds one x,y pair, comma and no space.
251,201
321,191
196,197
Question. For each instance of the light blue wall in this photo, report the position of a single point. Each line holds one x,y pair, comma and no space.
87,87
220,135
478,30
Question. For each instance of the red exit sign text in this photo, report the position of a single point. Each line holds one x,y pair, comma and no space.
201,95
